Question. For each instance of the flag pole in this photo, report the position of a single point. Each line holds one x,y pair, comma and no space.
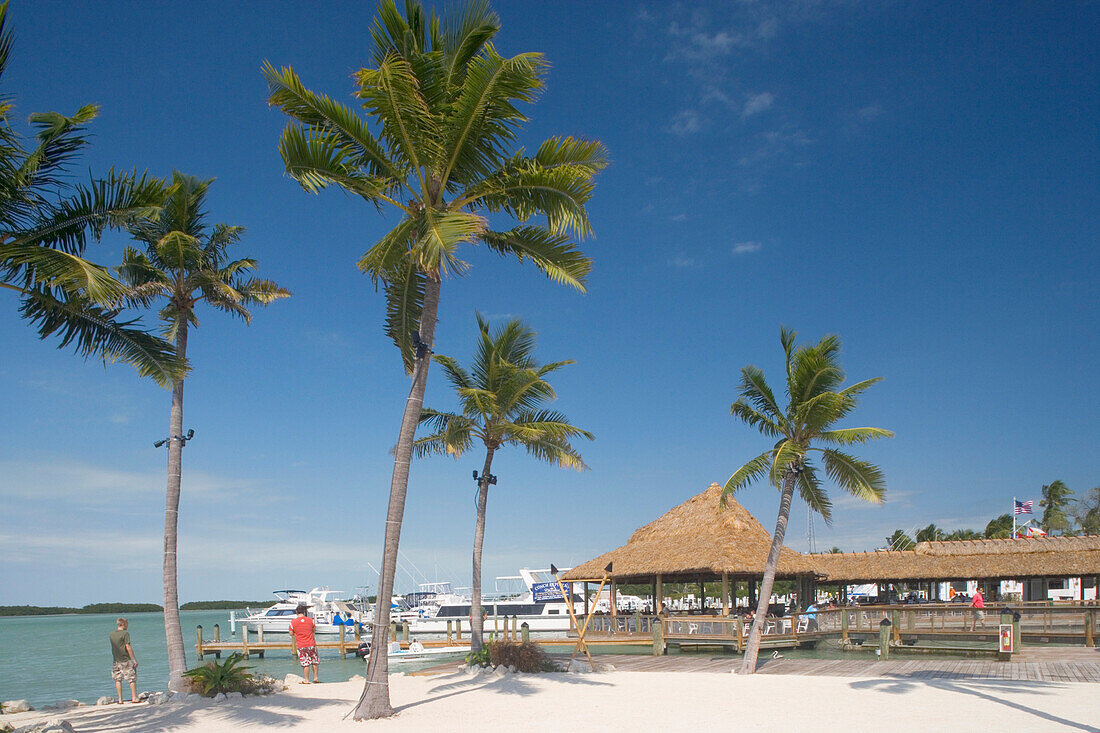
1014,517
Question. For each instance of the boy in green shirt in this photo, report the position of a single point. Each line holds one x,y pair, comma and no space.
125,664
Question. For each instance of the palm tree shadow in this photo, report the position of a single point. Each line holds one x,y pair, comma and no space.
511,684
901,685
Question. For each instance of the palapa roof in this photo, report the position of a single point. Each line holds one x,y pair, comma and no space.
943,560
698,537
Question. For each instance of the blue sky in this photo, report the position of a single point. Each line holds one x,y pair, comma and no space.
922,179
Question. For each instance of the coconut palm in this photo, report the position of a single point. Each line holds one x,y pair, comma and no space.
814,405
183,262
999,528
1054,502
931,533
440,151
46,223
502,397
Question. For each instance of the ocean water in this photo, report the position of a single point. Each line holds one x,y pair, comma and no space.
46,659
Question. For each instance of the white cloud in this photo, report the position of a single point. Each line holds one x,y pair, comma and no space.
758,103
742,248
87,484
682,262
686,122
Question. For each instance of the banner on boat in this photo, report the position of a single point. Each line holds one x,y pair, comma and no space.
543,592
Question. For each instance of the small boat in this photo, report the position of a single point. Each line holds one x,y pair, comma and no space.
329,613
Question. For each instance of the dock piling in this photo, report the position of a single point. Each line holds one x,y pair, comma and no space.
884,627
198,648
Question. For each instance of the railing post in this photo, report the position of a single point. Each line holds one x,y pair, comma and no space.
449,631
844,627
405,632
198,646
343,649
1090,640
260,639
525,632
244,639
658,638
884,638
895,622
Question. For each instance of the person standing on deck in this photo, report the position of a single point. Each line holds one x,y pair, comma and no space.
301,636
125,664
978,604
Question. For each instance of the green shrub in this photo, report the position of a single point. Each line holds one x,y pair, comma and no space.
479,658
212,678
525,657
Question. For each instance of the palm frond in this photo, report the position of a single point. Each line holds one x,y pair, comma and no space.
96,331
316,159
46,268
391,93
754,418
850,436
755,388
405,286
752,471
858,477
555,254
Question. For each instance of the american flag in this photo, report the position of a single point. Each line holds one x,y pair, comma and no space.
1024,507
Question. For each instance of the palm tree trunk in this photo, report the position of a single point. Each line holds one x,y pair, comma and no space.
477,619
375,700
752,650
173,632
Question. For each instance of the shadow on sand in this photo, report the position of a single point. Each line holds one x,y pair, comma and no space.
984,689
459,683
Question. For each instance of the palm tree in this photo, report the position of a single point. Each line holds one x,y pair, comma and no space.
184,262
1086,511
900,540
999,528
1055,500
501,397
443,103
931,533
45,225
963,534
814,406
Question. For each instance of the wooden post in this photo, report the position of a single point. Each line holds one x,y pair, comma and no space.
895,622
244,639
217,632
260,638
1090,639
405,632
358,632
844,625
884,639
752,594
449,630
725,593
659,599
737,635
614,596
198,646
525,631
343,649
658,637
458,627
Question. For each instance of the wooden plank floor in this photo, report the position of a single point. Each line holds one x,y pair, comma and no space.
1063,665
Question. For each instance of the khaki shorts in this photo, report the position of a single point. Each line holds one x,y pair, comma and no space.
979,615
124,672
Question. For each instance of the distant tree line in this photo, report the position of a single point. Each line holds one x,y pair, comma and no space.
90,608
1061,516
124,608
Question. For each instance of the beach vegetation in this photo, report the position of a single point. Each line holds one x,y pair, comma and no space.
181,263
438,146
1086,512
523,656
226,676
46,224
503,396
816,402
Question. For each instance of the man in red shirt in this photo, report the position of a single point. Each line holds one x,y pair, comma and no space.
978,604
301,635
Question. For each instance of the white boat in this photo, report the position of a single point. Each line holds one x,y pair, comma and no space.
415,652
541,607
328,612
425,602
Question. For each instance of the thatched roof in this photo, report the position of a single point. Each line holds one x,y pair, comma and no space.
698,537
1034,557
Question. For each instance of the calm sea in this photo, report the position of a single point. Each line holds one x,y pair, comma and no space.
45,659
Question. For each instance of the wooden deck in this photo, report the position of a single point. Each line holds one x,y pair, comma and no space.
1050,664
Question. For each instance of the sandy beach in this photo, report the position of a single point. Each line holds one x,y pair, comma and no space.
627,701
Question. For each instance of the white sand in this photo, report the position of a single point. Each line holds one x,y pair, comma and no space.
629,701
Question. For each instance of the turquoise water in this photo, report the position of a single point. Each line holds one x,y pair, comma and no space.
50,658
